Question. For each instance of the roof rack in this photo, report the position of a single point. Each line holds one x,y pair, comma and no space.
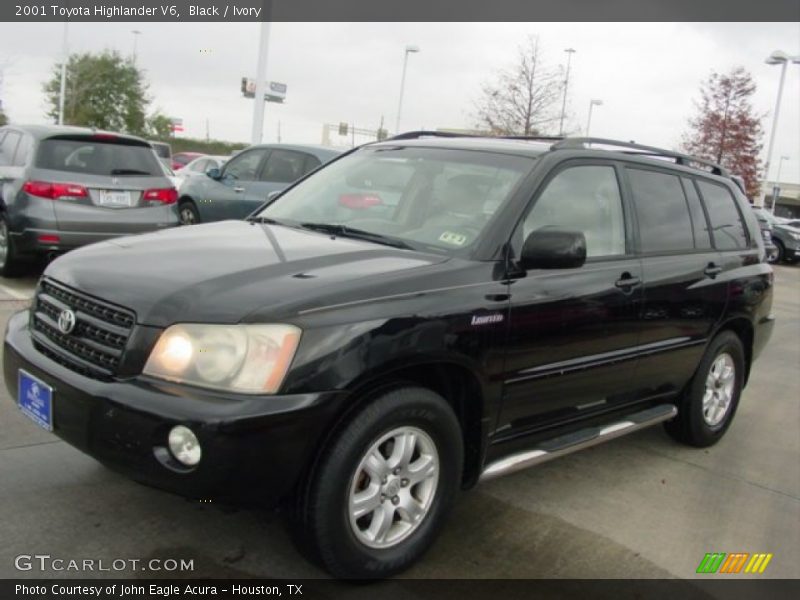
680,159
413,135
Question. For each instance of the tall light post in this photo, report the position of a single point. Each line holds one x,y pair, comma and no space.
409,50
776,58
63,86
570,52
136,33
592,103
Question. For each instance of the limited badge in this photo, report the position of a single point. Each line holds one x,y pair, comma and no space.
457,239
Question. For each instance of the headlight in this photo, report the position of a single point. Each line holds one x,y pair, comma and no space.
795,236
249,359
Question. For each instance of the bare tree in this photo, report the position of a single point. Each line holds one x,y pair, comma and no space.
726,128
523,99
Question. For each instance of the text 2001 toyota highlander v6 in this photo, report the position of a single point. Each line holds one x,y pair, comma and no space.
414,317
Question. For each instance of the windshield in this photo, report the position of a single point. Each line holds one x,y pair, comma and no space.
94,157
426,197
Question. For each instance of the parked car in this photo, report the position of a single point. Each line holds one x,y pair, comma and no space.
244,183
200,166
785,237
181,159
65,187
518,301
164,152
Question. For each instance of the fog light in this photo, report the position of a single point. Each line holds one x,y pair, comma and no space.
184,445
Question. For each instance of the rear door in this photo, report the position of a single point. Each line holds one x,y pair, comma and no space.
684,292
573,334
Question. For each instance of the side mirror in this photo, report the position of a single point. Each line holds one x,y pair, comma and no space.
214,173
273,194
554,249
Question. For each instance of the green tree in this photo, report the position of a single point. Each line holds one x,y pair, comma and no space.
102,90
159,126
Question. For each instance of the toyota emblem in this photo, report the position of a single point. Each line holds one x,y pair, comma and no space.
66,321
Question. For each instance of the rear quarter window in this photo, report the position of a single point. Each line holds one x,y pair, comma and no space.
727,226
94,157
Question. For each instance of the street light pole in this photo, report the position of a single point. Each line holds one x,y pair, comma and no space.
776,58
136,33
409,50
570,52
63,85
592,103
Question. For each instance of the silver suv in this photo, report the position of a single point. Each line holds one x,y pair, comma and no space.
65,187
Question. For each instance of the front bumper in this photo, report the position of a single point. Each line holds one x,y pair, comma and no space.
253,448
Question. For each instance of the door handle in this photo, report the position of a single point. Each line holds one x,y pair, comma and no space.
238,190
712,270
627,281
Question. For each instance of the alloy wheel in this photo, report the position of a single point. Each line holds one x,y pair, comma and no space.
393,487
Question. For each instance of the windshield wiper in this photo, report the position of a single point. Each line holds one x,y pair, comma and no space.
266,220
359,234
129,172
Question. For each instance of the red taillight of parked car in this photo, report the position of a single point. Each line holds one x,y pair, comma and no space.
53,191
165,195
358,201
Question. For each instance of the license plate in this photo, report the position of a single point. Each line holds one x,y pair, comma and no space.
115,199
35,399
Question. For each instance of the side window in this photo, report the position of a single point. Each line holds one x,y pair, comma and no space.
726,222
23,151
584,198
700,228
245,166
662,212
9,147
284,166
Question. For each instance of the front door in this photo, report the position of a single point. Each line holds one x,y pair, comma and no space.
573,334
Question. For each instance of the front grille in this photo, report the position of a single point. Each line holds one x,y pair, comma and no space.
95,345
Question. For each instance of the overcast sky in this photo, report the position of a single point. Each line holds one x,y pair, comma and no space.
647,74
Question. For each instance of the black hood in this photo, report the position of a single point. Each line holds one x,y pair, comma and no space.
222,272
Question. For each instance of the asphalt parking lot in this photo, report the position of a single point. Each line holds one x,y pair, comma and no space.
638,507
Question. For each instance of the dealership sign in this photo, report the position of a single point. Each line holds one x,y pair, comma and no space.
275,92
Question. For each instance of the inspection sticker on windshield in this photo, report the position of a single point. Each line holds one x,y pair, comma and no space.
457,239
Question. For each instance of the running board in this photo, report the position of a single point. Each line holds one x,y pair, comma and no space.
578,440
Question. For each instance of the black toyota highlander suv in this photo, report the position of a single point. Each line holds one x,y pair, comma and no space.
419,315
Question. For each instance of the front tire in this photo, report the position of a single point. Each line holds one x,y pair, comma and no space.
710,401
377,499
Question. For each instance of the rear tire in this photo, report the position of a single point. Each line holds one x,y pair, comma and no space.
709,403
379,495
9,264
187,213
780,252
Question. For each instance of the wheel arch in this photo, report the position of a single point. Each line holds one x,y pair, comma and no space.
458,385
743,328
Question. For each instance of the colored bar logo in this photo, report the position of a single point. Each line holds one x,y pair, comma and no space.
731,564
